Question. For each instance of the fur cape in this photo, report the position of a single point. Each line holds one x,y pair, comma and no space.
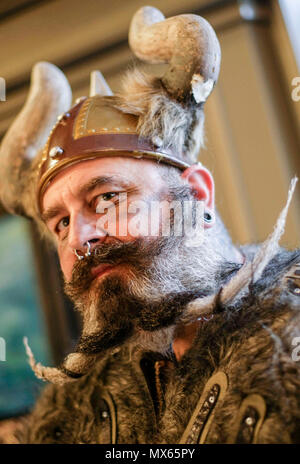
239,382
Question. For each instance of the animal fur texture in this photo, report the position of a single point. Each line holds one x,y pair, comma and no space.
170,124
251,342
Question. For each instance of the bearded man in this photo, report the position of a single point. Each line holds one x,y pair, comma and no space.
186,338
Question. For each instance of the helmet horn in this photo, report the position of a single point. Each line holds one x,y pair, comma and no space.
50,95
187,42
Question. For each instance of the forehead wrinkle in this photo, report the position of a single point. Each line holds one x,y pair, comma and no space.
102,180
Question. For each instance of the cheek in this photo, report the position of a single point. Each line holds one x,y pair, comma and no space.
123,223
67,261
138,221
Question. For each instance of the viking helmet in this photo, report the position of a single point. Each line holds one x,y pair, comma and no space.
156,118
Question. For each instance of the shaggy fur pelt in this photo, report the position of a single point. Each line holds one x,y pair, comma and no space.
250,342
170,124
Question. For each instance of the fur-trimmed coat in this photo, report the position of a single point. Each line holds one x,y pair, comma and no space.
239,383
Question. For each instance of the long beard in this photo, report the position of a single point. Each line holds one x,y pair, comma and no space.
143,299
135,297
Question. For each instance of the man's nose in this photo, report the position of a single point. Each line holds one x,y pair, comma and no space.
83,234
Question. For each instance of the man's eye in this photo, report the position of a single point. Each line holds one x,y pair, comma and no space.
108,196
63,223
104,198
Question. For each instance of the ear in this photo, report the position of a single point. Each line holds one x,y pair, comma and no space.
202,183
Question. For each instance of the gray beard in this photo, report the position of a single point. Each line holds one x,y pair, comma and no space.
142,305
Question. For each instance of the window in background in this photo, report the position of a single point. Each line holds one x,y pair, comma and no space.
20,315
291,14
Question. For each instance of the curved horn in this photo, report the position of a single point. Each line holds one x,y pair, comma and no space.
99,86
187,42
50,95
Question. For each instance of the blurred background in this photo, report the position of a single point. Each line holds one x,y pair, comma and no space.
252,143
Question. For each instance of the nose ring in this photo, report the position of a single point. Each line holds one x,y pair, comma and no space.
80,257
88,252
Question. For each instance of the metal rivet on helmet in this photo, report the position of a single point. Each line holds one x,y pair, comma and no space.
56,151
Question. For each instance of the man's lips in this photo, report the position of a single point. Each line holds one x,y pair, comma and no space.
99,270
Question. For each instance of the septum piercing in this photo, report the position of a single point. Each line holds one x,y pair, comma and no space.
88,252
